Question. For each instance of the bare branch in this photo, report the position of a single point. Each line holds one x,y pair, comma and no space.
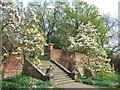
5,49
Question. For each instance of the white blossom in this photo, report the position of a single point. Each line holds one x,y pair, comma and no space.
85,40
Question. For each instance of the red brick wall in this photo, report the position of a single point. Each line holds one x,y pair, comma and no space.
64,58
12,65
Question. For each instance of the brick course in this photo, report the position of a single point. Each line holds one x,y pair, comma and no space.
67,59
12,65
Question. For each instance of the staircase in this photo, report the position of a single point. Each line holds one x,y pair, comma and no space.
60,77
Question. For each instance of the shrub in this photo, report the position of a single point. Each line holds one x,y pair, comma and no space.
56,88
99,80
1,72
111,78
22,81
88,81
117,85
79,80
105,84
7,84
43,57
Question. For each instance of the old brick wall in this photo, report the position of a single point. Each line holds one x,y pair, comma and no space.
67,59
13,65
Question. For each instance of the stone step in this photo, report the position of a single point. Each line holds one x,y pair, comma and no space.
55,78
58,72
63,82
62,79
47,66
44,63
60,76
55,70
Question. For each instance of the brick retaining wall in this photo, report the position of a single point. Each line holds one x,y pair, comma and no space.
12,65
67,59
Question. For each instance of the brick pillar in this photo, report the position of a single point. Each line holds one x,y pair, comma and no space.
50,49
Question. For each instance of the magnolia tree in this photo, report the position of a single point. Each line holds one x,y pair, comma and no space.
9,24
18,27
86,41
33,42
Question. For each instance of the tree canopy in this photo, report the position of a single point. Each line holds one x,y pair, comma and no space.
18,30
72,26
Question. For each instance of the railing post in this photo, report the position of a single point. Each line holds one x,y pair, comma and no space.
50,49
73,75
74,72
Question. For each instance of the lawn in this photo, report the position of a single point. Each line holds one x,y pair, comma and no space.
22,81
108,82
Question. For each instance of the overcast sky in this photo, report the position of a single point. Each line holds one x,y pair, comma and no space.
105,6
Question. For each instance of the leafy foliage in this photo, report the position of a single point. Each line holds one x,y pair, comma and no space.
71,19
75,26
88,81
22,81
109,81
85,41
19,29
33,42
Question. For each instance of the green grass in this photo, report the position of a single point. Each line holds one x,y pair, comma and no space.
106,88
25,82
44,57
106,81
22,81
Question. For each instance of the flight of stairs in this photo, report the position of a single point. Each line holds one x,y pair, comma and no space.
60,77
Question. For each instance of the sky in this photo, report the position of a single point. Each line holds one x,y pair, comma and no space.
105,6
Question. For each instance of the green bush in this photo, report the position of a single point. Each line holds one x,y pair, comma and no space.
105,84
79,80
22,81
1,72
44,57
88,81
56,88
7,84
105,81
117,85
107,78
